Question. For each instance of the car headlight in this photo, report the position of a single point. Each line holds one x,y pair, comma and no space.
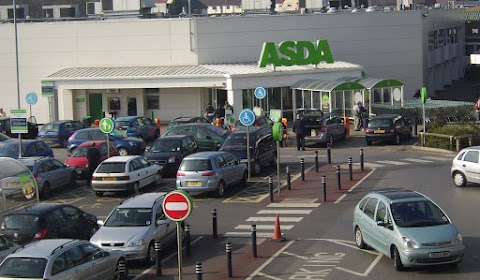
136,243
458,240
172,159
409,243
131,143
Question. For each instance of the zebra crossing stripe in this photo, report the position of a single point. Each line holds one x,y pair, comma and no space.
418,160
367,164
437,158
392,162
293,205
286,212
248,234
264,227
272,219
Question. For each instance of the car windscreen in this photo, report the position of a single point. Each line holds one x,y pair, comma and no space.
111,167
166,145
81,151
117,134
20,221
195,165
24,267
3,137
123,124
10,150
129,217
379,122
50,127
234,141
418,214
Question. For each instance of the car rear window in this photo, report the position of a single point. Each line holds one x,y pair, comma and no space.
166,145
20,221
120,124
81,151
196,165
380,122
111,167
50,127
23,267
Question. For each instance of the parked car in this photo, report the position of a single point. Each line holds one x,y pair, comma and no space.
50,174
56,133
31,125
390,127
78,159
466,167
138,126
134,226
125,173
408,227
210,172
60,259
169,151
48,220
30,148
259,121
323,128
208,137
263,149
6,247
185,120
124,145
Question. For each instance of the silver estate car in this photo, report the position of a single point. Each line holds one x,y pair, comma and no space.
210,172
408,227
466,167
134,226
64,259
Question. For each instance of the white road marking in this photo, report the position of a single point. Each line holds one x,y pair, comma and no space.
294,205
257,272
392,162
438,158
264,227
272,219
368,164
287,212
245,234
418,160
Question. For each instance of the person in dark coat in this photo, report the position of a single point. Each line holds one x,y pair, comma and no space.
300,131
93,157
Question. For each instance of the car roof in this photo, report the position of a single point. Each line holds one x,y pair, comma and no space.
178,136
29,161
142,200
476,148
41,248
121,158
384,116
37,209
205,155
89,143
396,195
129,118
24,141
195,124
60,121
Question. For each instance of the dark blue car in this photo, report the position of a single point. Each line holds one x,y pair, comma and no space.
124,145
30,148
138,126
56,133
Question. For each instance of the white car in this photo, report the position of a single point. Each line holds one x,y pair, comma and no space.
125,173
466,166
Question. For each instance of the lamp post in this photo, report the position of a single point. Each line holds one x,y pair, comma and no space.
18,72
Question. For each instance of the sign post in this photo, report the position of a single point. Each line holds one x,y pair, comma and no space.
423,95
106,126
18,124
247,118
277,134
177,206
31,99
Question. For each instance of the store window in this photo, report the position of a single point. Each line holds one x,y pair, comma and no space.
113,103
69,12
153,102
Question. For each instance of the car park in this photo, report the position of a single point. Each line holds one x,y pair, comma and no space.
47,221
390,127
138,126
125,174
32,128
211,172
50,174
185,120
124,145
30,148
64,259
408,227
263,149
134,226
169,151
208,137
259,121
323,128
466,167
78,159
56,133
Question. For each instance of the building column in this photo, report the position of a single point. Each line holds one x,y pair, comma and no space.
65,104
235,98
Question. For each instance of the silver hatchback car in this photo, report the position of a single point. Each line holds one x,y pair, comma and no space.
466,167
408,227
210,172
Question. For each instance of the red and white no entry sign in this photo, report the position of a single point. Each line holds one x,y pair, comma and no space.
177,205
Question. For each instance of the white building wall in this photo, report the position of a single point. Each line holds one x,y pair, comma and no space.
178,102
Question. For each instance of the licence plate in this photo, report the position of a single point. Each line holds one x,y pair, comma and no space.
194,184
379,131
47,140
108,179
439,255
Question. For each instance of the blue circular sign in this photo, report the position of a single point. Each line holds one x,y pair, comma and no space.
31,98
260,92
247,117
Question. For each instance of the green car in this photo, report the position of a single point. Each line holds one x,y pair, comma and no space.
208,136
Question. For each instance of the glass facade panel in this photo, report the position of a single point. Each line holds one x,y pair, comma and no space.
307,97
376,96
348,95
287,103
386,96
316,104
299,99
337,102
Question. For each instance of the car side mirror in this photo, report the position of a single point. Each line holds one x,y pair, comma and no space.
100,222
381,223
160,222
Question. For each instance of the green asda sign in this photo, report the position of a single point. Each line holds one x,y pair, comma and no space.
291,53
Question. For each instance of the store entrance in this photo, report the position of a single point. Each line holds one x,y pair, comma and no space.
132,106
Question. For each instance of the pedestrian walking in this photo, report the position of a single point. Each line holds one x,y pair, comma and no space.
477,109
362,111
300,131
2,113
93,157
208,113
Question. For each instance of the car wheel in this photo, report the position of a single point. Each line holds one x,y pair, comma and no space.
151,254
221,189
136,188
63,143
122,152
359,239
257,169
459,179
122,270
397,139
99,194
73,179
72,150
397,262
243,181
45,190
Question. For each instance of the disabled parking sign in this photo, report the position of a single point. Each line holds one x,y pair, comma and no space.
247,117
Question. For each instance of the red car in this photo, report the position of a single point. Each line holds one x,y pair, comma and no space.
79,157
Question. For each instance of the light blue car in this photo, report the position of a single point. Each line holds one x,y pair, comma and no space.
408,227
138,126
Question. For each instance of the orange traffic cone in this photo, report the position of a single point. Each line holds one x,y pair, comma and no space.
277,234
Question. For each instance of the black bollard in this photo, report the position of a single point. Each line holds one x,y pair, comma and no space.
214,223
289,179
228,249
270,188
329,153
316,161
339,184
158,257
198,270
302,166
254,240
362,167
188,248
415,125
324,184
350,166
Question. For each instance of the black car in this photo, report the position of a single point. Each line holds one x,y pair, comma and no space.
184,120
323,128
48,220
208,137
169,151
263,149
391,128
32,128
